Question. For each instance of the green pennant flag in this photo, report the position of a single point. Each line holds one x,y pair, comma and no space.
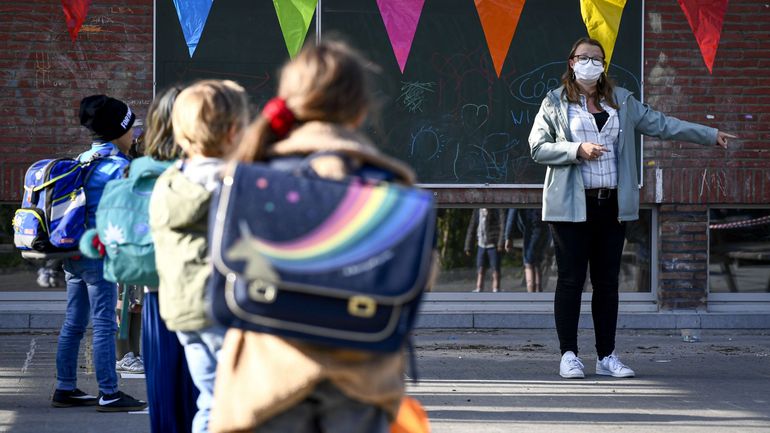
294,17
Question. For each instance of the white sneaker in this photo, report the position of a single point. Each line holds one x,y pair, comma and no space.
570,366
135,365
124,362
611,366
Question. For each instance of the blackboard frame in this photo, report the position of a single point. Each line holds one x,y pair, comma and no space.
318,29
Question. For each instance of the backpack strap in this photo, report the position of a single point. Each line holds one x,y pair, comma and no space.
93,162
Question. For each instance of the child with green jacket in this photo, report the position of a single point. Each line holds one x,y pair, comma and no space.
207,120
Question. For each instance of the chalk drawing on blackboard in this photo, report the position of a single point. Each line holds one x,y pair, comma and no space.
426,144
413,94
474,116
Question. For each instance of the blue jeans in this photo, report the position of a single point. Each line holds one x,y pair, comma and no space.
202,350
89,296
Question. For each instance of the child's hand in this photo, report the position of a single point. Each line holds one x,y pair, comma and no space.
98,245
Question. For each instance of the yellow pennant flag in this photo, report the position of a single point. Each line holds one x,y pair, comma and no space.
602,19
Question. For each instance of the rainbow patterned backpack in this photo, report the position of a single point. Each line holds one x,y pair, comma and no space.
341,263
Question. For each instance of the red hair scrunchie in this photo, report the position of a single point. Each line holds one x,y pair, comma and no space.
279,116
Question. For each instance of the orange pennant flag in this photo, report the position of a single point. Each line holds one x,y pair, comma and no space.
499,19
706,18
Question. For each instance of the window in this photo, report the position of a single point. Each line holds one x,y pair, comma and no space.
739,250
519,243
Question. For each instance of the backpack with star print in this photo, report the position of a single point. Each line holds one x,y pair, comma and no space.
123,229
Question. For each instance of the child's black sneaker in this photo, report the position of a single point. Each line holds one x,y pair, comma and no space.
70,398
119,402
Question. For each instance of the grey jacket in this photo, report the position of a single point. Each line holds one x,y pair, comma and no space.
551,144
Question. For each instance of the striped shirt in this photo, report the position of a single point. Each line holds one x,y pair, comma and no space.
603,171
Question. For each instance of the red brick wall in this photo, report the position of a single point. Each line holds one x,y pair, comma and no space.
44,74
737,95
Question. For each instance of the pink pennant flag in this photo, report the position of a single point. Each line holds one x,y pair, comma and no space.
401,18
75,12
499,20
706,18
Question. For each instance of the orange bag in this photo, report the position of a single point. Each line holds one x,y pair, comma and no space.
411,418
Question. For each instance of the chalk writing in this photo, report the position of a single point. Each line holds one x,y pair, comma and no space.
718,178
42,69
100,20
531,87
413,94
523,117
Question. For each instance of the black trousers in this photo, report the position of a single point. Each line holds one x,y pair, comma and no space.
597,243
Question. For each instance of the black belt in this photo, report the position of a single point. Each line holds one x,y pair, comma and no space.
601,193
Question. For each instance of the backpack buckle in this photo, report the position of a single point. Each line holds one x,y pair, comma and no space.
362,306
262,291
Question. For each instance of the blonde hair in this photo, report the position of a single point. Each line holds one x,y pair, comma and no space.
205,114
327,82
604,87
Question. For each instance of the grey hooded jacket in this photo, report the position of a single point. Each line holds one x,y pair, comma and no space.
551,144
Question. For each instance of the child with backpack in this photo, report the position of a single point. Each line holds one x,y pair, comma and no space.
207,120
89,295
171,393
267,383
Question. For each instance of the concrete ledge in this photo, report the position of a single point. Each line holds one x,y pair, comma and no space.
14,320
52,320
445,321
625,321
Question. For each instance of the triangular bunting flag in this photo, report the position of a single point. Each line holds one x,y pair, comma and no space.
499,19
401,18
294,16
75,12
706,18
192,16
602,20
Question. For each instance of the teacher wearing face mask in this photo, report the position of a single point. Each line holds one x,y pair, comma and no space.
585,134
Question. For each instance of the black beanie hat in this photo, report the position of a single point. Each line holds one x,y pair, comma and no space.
107,118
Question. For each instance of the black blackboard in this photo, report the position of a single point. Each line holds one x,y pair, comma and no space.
241,41
448,115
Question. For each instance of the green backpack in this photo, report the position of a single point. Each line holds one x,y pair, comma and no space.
122,226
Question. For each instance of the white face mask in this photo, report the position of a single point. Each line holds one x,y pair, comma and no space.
587,74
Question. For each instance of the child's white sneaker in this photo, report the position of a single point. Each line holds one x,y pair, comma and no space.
570,366
611,366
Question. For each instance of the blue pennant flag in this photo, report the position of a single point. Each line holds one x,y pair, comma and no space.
192,16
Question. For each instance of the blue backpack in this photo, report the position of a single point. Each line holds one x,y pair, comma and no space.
341,263
52,217
123,228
